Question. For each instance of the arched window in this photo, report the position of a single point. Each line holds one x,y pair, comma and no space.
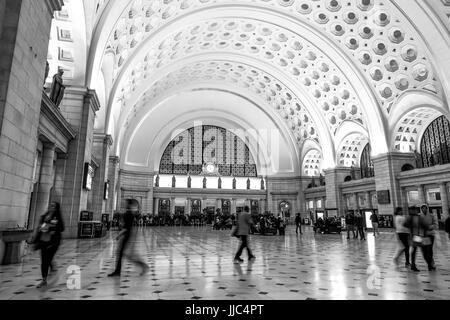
407,167
208,149
366,163
435,144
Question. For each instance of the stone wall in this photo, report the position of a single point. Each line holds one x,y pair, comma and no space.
24,38
285,189
137,186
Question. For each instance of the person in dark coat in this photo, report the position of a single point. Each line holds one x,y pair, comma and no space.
124,241
350,222
447,226
47,238
359,223
244,224
298,223
419,228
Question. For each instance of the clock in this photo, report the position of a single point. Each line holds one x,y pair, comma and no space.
210,169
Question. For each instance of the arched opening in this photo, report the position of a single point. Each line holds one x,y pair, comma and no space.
407,167
367,170
285,209
435,143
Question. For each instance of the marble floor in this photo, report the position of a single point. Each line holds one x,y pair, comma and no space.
189,263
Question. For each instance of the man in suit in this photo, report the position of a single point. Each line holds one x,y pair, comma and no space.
244,222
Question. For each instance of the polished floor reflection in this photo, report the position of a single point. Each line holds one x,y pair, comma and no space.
197,263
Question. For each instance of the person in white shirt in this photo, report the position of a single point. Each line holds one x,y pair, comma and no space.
403,235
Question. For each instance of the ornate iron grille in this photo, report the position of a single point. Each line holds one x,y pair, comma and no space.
208,144
435,144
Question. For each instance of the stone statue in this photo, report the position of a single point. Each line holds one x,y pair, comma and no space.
248,184
189,182
313,182
174,182
157,181
263,187
220,183
204,182
321,180
234,183
57,92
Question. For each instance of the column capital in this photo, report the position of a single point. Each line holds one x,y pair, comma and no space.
62,156
49,146
92,98
114,159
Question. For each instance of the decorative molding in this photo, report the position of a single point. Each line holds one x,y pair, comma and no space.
92,98
114,159
282,193
49,109
134,189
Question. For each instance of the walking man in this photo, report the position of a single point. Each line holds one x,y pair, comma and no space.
375,220
298,223
125,248
403,235
244,222
350,222
359,222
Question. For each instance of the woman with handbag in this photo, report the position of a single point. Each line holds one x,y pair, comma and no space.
47,238
418,227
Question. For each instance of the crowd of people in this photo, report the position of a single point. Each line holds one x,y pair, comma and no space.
416,230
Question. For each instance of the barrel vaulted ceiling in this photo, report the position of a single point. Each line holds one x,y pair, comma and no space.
337,73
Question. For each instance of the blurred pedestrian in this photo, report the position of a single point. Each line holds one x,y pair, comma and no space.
47,238
350,223
403,235
359,223
375,220
418,228
432,225
243,228
447,226
125,246
298,223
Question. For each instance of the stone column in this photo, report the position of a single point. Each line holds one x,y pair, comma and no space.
79,107
113,178
421,195
219,204
333,179
386,167
187,208
444,199
24,37
233,205
46,179
203,204
172,205
405,205
60,169
357,207
369,200
262,206
149,202
101,147
156,206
